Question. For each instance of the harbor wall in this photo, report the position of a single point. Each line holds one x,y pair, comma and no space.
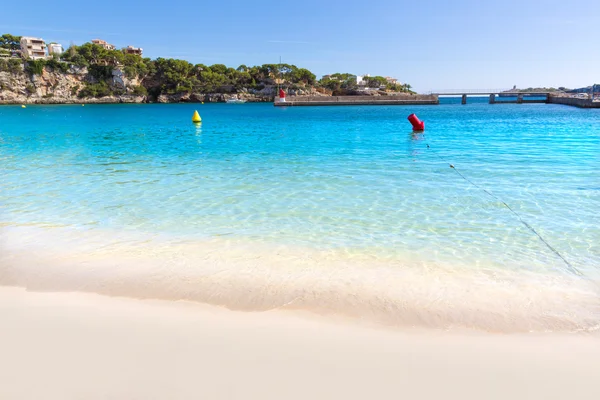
404,99
573,101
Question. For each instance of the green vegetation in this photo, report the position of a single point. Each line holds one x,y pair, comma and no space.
100,72
10,42
57,65
140,91
344,82
100,89
35,67
12,65
170,76
176,76
338,81
538,89
173,76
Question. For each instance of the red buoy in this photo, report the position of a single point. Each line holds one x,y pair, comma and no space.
416,123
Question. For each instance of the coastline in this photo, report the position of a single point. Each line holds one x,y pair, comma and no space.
248,275
126,99
296,101
76,345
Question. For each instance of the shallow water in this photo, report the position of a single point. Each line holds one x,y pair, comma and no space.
349,193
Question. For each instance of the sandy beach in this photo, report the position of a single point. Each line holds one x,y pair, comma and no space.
301,253
86,346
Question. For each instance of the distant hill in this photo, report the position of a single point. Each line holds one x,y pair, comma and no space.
587,89
535,89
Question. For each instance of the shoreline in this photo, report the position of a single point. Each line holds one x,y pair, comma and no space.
118,100
403,99
252,276
76,345
321,101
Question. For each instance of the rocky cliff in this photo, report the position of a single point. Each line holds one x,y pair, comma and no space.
57,87
266,94
65,87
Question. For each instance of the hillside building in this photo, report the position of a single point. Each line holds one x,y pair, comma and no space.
55,48
133,50
34,48
103,43
361,81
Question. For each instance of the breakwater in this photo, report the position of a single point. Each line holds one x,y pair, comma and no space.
574,101
407,99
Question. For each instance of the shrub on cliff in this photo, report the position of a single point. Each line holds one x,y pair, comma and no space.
100,89
35,67
57,65
12,65
100,72
140,91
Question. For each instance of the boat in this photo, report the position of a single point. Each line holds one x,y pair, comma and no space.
235,100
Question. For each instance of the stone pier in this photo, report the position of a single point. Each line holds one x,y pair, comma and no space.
401,99
574,101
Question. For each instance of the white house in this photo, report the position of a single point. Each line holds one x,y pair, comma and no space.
55,48
34,48
361,81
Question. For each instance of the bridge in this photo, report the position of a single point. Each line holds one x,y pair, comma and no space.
492,93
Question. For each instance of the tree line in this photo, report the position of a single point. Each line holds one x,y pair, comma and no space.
170,76
339,82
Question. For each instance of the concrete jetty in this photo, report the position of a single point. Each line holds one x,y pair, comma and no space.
403,99
431,99
547,97
574,101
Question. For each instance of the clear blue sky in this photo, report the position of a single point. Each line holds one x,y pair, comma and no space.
431,44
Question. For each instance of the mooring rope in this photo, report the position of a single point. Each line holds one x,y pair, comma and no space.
570,267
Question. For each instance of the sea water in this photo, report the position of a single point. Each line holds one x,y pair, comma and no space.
488,219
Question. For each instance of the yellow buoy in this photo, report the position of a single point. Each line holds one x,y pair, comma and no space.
196,118
23,106
82,105
202,102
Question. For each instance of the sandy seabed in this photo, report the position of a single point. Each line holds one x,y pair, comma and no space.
87,346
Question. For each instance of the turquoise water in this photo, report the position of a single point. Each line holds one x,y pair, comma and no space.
351,181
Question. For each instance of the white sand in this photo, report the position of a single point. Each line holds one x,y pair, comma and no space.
85,346
250,276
